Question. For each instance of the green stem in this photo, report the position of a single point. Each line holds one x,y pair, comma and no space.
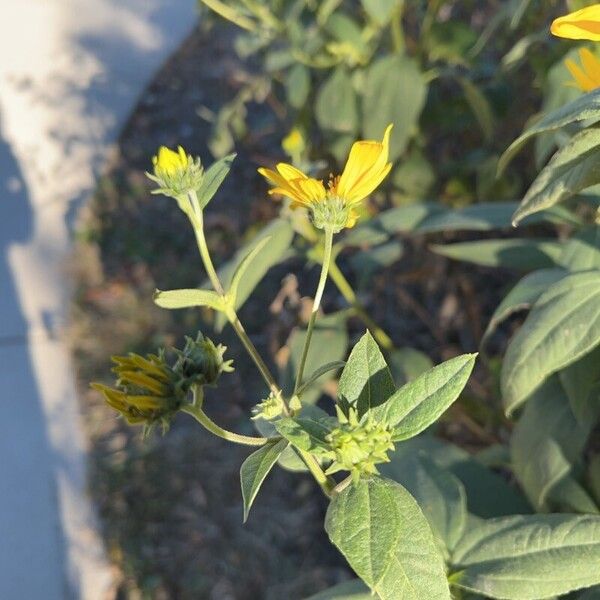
253,352
316,305
347,292
326,483
206,422
198,224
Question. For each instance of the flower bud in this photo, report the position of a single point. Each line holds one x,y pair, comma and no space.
268,409
146,390
176,173
201,362
359,446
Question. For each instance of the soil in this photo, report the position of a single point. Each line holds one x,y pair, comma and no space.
170,505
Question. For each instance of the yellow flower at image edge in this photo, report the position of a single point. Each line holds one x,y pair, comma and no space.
334,207
586,77
582,24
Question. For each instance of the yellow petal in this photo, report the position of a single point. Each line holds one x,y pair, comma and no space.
582,81
170,161
582,24
365,169
591,65
294,184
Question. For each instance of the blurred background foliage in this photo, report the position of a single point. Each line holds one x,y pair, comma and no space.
300,81
458,80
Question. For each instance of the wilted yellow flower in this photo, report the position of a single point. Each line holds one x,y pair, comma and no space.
582,24
334,206
149,390
586,77
146,390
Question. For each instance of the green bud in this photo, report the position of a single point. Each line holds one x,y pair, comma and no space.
268,409
201,362
359,446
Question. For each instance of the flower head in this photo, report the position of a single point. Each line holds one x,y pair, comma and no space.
146,390
201,361
586,77
335,206
582,24
176,173
150,389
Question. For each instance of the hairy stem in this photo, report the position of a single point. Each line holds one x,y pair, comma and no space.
195,410
325,482
316,305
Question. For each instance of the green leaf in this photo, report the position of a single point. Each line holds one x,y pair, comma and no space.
394,92
366,381
581,381
529,557
582,251
187,298
365,264
422,401
280,233
380,529
546,441
306,433
380,11
255,469
336,365
488,494
480,106
556,94
213,178
586,107
231,14
335,106
440,495
522,296
407,364
526,255
484,216
572,169
297,85
349,590
570,496
594,477
429,217
242,267
563,326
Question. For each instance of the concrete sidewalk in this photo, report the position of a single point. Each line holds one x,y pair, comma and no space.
70,72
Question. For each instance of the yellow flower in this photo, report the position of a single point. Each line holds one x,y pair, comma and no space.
177,174
334,206
582,24
169,161
586,77
294,143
